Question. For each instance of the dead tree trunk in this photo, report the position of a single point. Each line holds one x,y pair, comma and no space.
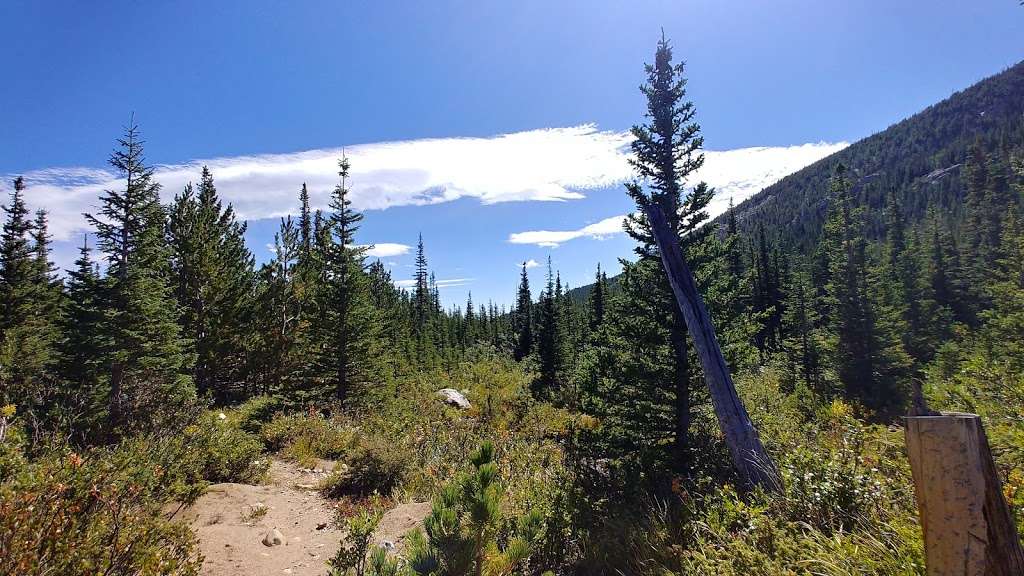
968,529
752,463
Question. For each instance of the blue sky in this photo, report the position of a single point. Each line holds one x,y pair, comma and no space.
478,124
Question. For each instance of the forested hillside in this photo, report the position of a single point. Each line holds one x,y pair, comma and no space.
570,434
920,158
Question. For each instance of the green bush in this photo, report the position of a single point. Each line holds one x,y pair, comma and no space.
228,453
305,438
464,528
251,415
375,465
101,512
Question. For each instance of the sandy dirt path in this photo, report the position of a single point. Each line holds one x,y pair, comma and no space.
231,539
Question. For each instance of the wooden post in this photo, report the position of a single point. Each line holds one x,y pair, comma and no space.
968,529
753,464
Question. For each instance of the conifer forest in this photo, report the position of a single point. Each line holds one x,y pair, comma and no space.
549,430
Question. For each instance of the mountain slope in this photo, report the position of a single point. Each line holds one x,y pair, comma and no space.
918,157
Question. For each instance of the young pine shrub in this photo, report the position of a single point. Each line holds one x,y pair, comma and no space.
465,531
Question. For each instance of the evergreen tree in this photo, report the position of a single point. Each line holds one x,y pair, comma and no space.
666,152
148,385
81,348
596,301
866,353
522,324
549,338
802,345
214,284
306,231
350,326
280,312
28,306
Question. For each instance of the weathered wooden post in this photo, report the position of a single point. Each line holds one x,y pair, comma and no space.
968,529
753,464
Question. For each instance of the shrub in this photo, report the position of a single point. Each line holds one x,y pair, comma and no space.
101,512
463,528
375,465
228,453
351,557
305,438
251,415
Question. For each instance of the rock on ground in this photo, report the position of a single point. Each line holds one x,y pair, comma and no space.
453,397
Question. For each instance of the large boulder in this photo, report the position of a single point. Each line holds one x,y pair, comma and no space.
454,398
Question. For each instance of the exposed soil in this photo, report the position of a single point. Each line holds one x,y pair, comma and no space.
231,530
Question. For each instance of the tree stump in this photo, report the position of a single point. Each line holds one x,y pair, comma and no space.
968,529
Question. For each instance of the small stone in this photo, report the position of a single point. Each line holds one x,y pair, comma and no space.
321,526
273,538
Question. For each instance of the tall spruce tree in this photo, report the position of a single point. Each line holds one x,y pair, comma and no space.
214,283
522,324
549,338
868,357
28,307
596,300
282,324
350,328
148,385
666,152
81,347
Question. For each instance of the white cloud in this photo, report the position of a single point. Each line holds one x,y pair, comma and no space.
387,249
531,263
441,284
552,238
736,174
553,164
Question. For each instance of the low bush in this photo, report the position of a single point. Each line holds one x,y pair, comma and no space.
251,415
304,438
228,453
104,511
374,465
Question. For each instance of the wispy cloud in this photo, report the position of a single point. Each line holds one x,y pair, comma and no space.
735,174
552,238
441,284
553,164
531,263
387,250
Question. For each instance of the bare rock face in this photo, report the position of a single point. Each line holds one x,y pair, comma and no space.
454,398
273,538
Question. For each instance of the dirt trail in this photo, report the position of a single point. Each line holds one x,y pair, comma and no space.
231,537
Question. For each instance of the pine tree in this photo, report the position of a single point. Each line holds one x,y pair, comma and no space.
666,152
148,385
522,324
80,351
549,338
214,285
28,307
596,301
306,231
802,345
350,327
280,313
868,358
